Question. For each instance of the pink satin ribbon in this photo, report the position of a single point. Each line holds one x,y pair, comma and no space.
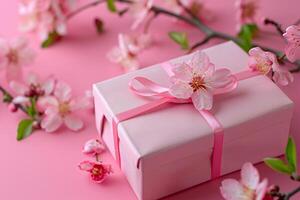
161,96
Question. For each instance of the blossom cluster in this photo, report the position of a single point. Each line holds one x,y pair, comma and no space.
48,103
45,16
98,171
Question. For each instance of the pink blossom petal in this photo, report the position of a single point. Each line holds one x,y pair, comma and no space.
232,190
73,123
32,78
93,146
115,55
48,86
181,90
63,92
249,176
4,47
86,165
261,190
202,99
21,100
19,43
47,101
290,52
200,63
26,56
51,123
130,64
283,77
219,79
80,103
18,87
182,72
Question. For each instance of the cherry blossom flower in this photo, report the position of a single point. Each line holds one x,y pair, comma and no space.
264,62
247,12
15,54
93,147
61,108
139,10
198,79
45,16
292,35
98,171
33,87
248,188
196,7
129,46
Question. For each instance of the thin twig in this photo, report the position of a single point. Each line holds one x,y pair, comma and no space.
198,44
292,193
89,5
275,24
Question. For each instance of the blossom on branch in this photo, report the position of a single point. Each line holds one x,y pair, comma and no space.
15,54
265,62
196,7
45,16
126,53
60,108
139,10
247,12
32,88
248,188
292,35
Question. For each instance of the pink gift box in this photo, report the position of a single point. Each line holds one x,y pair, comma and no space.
169,149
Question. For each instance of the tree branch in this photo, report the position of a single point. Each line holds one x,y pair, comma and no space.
85,7
198,44
275,24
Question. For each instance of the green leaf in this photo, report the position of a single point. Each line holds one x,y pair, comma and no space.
246,35
278,165
180,38
111,5
31,110
291,154
24,128
99,25
53,37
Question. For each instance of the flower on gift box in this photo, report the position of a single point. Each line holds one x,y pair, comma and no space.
264,62
98,171
197,80
93,147
60,108
139,10
247,12
129,46
45,16
13,55
248,188
33,87
196,7
292,35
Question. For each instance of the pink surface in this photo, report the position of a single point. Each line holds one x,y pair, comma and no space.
45,165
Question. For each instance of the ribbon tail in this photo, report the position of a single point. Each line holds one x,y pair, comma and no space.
217,152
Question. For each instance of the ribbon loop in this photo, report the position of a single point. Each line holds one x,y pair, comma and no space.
149,88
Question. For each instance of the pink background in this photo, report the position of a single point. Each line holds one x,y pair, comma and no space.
45,165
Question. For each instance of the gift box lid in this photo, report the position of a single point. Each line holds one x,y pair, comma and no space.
171,126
